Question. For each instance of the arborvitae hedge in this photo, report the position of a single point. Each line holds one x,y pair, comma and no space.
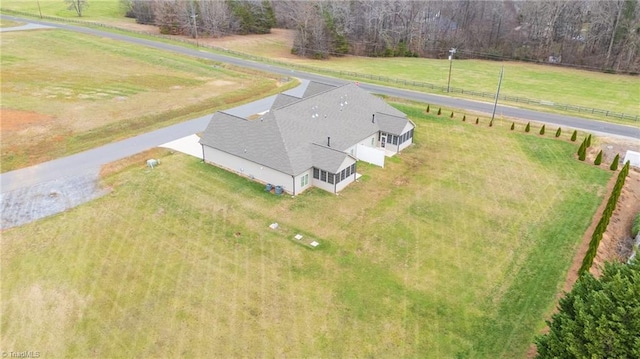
477,120
614,164
439,111
558,132
451,114
583,153
542,130
598,160
604,221
513,126
574,136
635,229
588,141
464,118
428,108
528,127
581,150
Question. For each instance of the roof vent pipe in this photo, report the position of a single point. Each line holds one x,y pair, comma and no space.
328,141
373,118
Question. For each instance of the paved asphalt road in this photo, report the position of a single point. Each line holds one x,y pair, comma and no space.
91,160
596,127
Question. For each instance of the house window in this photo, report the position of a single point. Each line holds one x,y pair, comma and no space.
323,176
395,139
330,175
316,173
348,172
304,180
343,174
353,168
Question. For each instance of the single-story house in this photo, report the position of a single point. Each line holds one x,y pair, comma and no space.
313,140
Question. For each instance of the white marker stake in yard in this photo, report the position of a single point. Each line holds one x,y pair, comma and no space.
298,236
314,244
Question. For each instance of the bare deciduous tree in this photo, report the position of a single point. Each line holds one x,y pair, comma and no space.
77,5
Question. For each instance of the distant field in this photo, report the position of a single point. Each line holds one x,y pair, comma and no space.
617,93
95,10
64,92
457,248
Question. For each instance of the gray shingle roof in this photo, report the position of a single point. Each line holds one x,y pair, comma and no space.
314,88
283,100
390,123
290,138
327,158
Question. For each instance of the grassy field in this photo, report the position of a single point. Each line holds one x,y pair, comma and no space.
102,10
64,92
617,93
457,248
590,89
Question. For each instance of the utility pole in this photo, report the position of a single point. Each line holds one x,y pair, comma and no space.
495,104
451,52
39,10
195,28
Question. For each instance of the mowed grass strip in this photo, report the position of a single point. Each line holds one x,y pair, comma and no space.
64,92
457,248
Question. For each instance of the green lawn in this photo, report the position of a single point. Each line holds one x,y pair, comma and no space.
457,248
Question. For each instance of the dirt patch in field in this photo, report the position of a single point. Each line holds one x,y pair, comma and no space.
17,120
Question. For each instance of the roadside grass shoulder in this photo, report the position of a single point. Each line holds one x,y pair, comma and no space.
457,248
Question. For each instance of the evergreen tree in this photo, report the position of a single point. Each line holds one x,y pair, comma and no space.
513,126
464,118
439,111
477,120
451,114
558,132
614,164
599,318
542,130
428,108
588,141
582,151
528,127
598,160
574,136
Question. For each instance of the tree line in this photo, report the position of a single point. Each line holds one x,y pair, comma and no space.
593,34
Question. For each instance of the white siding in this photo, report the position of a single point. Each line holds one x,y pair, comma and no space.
348,180
353,150
299,187
248,169
406,144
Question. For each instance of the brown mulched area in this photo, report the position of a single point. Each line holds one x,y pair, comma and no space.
16,120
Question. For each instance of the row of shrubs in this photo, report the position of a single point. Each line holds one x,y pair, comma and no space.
582,150
604,221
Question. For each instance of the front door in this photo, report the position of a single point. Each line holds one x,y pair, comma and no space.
383,140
